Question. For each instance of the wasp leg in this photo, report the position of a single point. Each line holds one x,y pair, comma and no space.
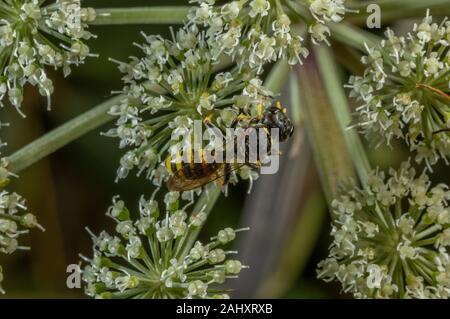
255,120
239,118
209,121
255,166
235,122
225,178
227,175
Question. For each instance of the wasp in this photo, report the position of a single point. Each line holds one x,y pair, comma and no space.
189,175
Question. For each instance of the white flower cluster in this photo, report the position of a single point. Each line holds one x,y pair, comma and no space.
169,88
257,32
157,257
405,90
34,36
391,239
14,219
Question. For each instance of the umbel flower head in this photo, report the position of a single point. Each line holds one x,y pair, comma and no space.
156,256
260,31
172,86
392,238
36,34
405,90
14,218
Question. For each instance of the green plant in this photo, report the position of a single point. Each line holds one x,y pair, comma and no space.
390,237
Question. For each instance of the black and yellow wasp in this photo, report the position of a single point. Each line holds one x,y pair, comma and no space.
186,175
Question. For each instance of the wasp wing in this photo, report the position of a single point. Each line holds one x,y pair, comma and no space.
180,184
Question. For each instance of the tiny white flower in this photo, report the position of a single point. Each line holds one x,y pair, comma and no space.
172,85
123,267
390,249
416,75
14,218
24,33
246,30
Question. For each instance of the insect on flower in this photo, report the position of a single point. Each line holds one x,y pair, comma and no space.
188,174
172,87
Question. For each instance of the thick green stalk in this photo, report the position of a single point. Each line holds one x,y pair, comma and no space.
278,76
396,4
339,103
62,136
353,36
333,161
298,249
141,15
205,204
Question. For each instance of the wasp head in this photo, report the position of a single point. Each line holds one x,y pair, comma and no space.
275,117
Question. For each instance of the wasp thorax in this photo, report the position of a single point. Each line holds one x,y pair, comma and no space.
276,117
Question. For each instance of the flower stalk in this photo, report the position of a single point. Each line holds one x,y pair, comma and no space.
353,36
61,136
339,103
141,15
324,131
392,10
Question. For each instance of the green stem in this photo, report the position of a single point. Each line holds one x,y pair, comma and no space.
339,103
396,4
141,15
62,136
204,204
353,36
326,138
299,248
278,76
392,10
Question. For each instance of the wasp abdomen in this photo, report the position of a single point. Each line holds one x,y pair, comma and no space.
190,170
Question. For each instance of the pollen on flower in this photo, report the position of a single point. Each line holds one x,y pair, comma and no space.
391,239
33,35
405,90
157,256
